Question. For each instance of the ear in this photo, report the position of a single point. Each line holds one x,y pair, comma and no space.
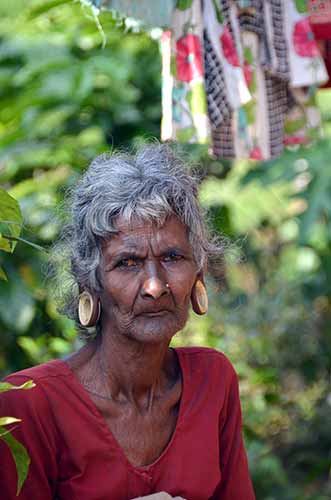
89,309
199,297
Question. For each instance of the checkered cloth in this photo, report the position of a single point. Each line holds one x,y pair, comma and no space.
223,140
218,105
277,106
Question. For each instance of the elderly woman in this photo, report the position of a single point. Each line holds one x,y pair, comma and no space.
127,416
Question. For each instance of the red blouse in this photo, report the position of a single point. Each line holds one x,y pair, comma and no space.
75,457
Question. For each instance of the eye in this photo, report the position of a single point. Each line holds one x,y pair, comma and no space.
172,257
129,262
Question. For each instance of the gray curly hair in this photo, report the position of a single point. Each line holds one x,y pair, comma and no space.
150,186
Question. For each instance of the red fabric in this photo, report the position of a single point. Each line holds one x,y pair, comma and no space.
325,50
189,58
322,31
319,12
75,457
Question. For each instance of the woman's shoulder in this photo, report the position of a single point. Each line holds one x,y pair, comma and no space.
49,369
209,379
26,398
206,358
207,353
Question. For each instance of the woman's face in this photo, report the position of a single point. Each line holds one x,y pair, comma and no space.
148,273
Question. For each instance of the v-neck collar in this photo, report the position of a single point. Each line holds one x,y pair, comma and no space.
80,390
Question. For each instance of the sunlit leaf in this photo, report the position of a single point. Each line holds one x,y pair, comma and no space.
21,458
8,420
27,242
7,386
10,221
45,7
3,275
5,244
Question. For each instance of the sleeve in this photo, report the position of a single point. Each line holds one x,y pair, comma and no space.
235,483
36,433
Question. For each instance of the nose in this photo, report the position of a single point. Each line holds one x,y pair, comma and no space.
154,286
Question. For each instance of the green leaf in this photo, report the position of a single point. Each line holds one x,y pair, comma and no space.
3,275
45,7
7,386
23,240
5,244
21,459
8,420
10,221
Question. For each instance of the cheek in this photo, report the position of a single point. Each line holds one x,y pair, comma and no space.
120,293
181,287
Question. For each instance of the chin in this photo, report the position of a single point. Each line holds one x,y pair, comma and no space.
155,331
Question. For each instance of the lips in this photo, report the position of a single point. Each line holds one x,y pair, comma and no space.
154,313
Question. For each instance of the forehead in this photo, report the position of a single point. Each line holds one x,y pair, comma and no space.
137,235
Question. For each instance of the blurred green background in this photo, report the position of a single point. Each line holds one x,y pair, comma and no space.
63,100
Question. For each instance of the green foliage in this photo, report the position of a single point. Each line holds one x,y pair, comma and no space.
10,221
10,224
308,171
308,174
63,100
19,453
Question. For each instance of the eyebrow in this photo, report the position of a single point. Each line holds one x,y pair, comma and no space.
174,249
128,252
133,251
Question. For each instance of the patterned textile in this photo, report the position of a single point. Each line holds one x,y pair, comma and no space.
223,32
320,11
218,104
276,92
251,18
306,65
189,120
274,21
223,140
247,60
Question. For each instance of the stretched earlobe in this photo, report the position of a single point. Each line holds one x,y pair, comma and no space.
199,298
89,309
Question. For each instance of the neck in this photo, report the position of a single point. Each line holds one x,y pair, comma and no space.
131,370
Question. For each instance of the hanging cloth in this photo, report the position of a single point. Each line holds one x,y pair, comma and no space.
256,126
205,74
307,73
320,20
186,120
255,64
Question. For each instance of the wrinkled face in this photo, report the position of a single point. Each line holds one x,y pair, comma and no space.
148,273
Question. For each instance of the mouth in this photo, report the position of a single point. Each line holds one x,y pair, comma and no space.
152,314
